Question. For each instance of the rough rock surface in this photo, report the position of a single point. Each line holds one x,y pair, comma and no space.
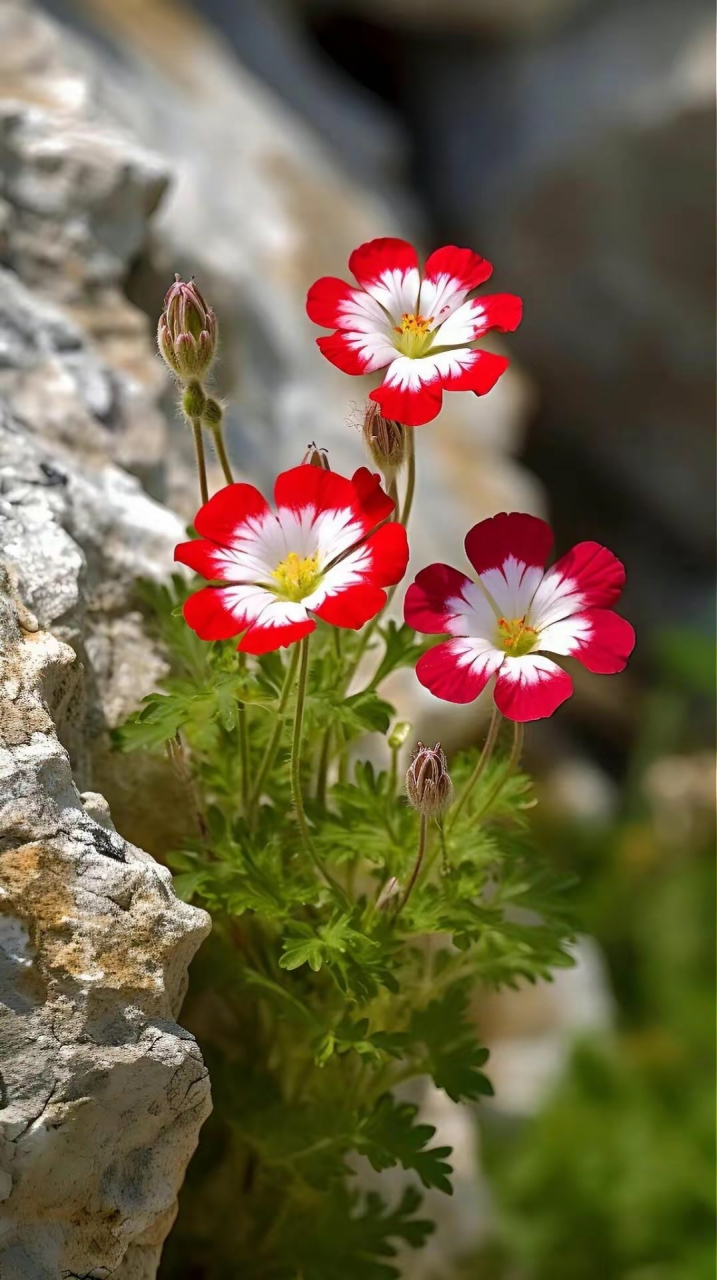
102,1093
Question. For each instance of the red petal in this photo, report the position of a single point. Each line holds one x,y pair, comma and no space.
526,538
501,311
371,498
302,487
370,260
230,508
389,550
462,264
323,299
201,556
263,639
598,575
411,407
424,608
531,688
608,648
347,359
441,671
207,614
480,376
353,606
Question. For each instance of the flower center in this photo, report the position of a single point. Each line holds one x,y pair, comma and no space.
515,637
296,577
414,334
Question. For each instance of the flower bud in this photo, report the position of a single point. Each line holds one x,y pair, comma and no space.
187,332
399,733
193,400
428,784
385,440
212,414
316,457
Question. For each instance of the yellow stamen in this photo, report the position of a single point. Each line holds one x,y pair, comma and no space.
516,637
296,577
414,334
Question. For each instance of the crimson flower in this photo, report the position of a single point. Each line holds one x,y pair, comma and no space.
503,624
321,553
420,331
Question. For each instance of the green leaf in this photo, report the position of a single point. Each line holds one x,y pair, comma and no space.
454,1055
402,650
389,1137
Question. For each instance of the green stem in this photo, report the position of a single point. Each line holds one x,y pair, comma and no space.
513,759
483,759
274,741
422,834
243,746
411,478
296,795
323,772
201,461
222,455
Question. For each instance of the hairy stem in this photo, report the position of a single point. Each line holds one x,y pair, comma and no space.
273,743
482,761
411,477
513,760
296,795
422,835
201,461
243,746
218,434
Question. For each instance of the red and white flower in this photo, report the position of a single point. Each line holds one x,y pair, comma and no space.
503,625
420,330
323,553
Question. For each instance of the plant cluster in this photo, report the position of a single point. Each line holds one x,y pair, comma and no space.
354,912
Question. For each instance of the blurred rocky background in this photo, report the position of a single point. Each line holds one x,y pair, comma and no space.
253,144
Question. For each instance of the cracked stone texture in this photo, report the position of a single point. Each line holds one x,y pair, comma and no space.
102,1092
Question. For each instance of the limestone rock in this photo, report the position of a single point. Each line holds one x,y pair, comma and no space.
103,1094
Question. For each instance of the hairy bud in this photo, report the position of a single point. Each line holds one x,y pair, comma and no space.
390,890
316,457
187,332
212,414
428,784
399,733
385,440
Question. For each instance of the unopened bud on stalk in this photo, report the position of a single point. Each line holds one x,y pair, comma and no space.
428,784
385,440
399,733
193,400
212,414
187,332
316,457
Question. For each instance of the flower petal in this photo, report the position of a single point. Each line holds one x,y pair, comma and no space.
336,305
411,391
223,515
357,353
531,688
588,576
203,557
389,554
508,535
599,638
501,311
388,269
371,497
425,607
467,370
279,624
459,669
449,275
217,613
352,606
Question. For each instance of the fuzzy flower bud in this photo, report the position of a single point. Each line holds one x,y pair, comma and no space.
390,890
428,784
316,457
399,733
385,440
187,332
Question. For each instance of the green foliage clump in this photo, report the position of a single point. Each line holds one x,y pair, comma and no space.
318,994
